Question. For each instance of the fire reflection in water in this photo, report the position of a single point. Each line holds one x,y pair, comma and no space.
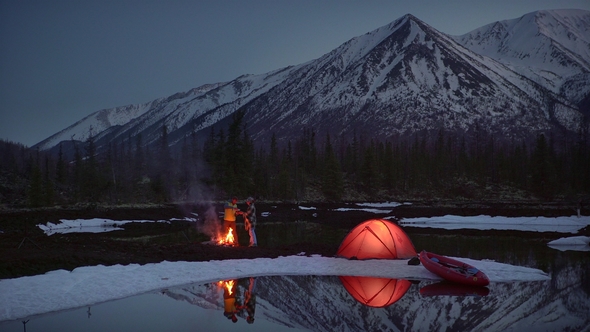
236,304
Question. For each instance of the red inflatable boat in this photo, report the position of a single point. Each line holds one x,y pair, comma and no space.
453,270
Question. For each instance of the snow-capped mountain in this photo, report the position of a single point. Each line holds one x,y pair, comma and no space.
513,79
551,48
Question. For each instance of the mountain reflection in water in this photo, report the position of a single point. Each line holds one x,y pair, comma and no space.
331,303
321,303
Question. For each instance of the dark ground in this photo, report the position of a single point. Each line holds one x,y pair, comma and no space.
26,250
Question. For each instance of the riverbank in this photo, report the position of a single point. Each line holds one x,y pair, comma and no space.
26,250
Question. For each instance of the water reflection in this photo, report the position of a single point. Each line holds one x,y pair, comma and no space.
230,302
351,303
332,303
446,288
234,304
375,292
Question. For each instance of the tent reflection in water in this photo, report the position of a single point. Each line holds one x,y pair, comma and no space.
376,239
375,292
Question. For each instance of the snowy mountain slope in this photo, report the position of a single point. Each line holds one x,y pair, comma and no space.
102,122
414,79
173,112
203,110
401,79
97,123
551,48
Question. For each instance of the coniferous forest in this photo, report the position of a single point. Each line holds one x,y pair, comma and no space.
315,167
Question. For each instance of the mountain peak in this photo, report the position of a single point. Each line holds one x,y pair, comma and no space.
549,47
567,27
399,80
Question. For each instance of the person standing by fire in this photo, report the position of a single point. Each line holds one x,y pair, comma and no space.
229,218
250,221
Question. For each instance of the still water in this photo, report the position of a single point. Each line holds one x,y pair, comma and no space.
330,303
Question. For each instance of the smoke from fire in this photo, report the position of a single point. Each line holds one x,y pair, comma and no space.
210,224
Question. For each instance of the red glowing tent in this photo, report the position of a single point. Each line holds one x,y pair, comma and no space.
376,238
375,292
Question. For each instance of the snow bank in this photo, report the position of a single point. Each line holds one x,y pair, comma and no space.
96,225
570,224
576,243
61,289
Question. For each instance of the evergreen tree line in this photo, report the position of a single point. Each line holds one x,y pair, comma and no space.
228,163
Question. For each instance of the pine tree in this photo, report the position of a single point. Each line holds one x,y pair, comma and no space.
332,181
246,171
139,168
369,174
388,166
90,182
61,168
164,172
36,186
77,174
261,174
274,166
283,180
233,158
219,161
48,189
542,169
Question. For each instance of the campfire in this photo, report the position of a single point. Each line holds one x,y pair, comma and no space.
220,233
227,239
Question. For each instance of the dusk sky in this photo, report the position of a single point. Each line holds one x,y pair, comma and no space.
63,60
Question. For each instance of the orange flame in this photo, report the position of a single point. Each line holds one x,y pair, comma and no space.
229,238
228,284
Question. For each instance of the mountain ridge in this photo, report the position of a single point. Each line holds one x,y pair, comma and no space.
399,80
499,41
